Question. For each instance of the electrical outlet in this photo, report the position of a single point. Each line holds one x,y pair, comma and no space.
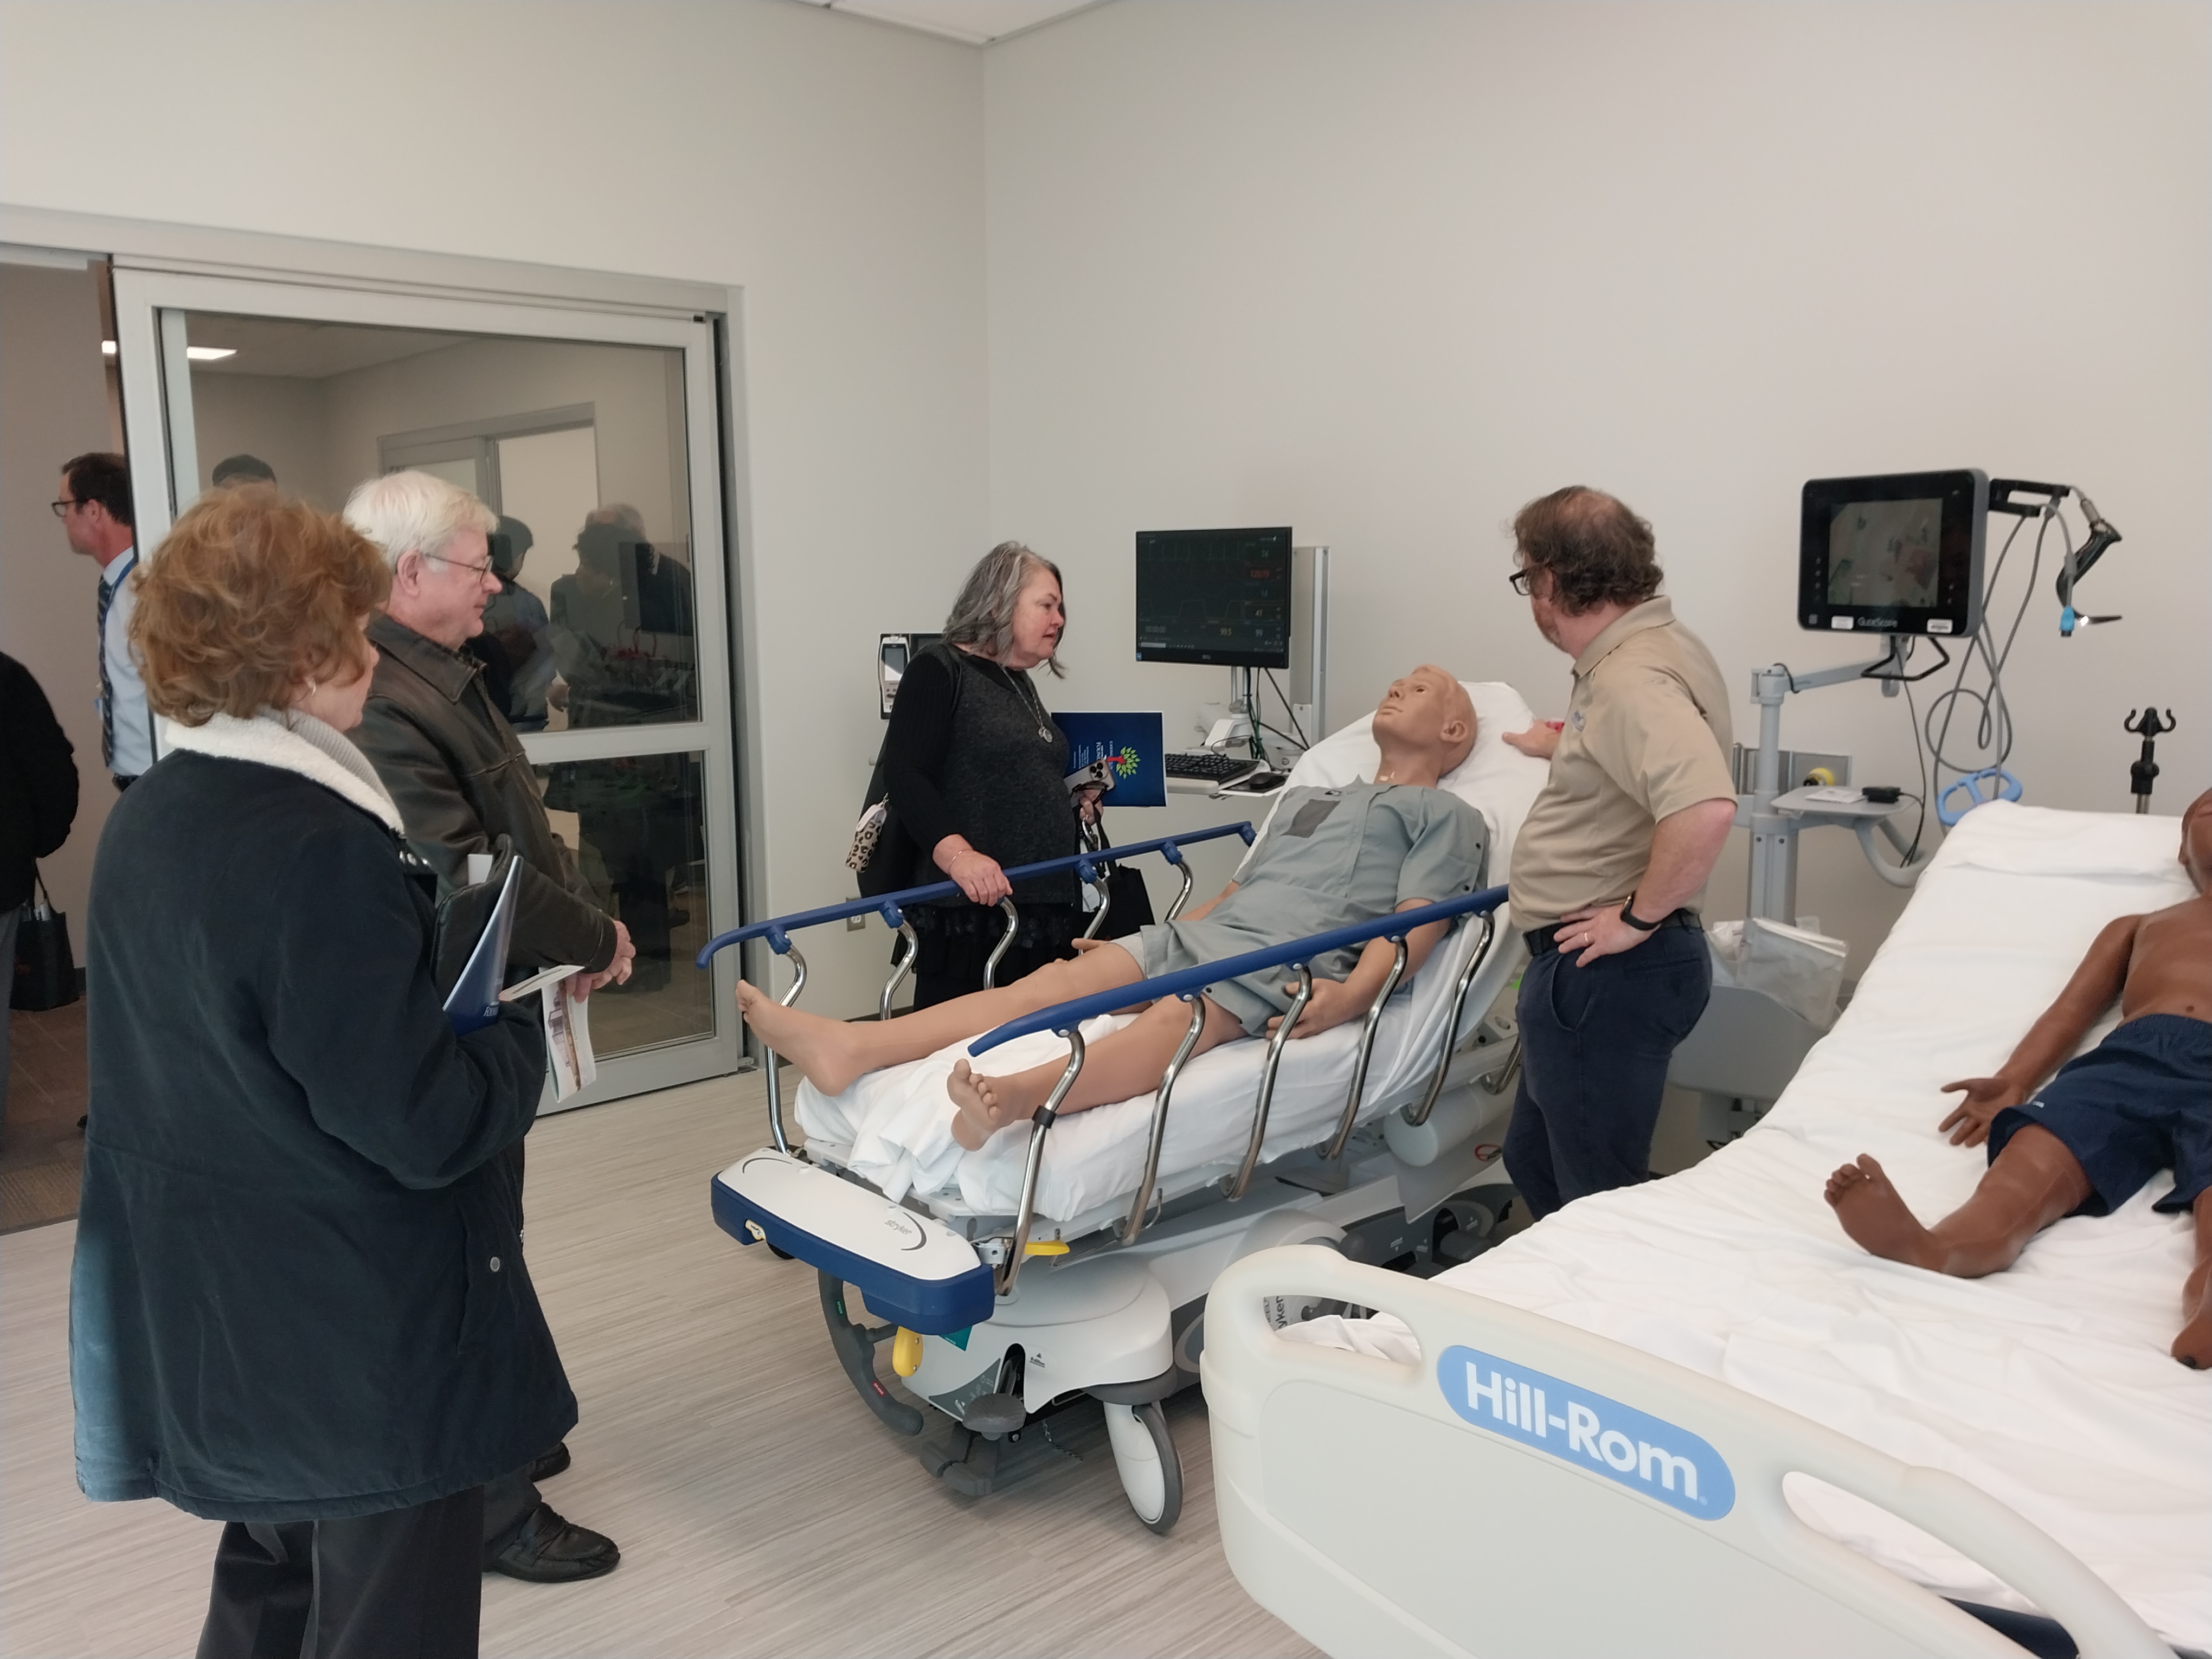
854,924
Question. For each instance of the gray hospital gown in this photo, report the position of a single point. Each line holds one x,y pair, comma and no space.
1330,858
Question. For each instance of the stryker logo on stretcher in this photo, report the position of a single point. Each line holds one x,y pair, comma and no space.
1603,1436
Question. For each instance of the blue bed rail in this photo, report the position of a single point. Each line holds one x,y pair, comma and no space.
1188,982
776,930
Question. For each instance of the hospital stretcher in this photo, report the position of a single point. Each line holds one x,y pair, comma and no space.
1692,1417
1073,1257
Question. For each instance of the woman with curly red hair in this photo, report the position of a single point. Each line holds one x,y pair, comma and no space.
299,1304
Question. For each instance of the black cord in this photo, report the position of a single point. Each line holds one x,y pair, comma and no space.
1277,730
1301,740
1920,755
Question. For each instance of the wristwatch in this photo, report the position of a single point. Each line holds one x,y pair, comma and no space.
1634,920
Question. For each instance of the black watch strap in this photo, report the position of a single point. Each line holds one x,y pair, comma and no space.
1636,921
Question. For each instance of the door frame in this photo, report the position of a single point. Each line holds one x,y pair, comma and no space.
738,828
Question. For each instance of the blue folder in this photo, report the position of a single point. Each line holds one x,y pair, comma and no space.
473,1002
1132,744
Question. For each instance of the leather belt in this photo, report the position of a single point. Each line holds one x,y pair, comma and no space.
1544,940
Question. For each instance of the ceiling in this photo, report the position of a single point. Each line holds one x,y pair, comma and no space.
978,23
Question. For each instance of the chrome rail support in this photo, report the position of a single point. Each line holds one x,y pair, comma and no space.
1040,1126
1500,1081
1104,889
902,965
768,1054
1417,1115
1135,1225
1336,1148
1182,869
1243,1177
1005,943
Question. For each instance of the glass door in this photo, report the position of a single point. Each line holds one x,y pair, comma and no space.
595,436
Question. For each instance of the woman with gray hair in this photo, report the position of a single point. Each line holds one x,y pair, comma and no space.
973,766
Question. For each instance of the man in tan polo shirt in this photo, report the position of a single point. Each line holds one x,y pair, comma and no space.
1610,867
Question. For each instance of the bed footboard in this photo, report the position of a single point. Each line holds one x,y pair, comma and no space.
1530,1489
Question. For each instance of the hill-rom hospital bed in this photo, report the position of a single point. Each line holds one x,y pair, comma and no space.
1072,1256
1692,1416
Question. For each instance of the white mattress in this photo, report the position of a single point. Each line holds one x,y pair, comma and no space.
894,1126
2048,1386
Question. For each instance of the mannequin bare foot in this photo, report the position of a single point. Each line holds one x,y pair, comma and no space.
822,1049
1874,1215
2193,1347
983,1110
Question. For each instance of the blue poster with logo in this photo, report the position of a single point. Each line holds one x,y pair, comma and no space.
1133,746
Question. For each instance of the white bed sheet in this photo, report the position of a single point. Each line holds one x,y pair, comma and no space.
2048,1386
894,1126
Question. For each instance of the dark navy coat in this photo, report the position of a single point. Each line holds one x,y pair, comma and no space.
299,1289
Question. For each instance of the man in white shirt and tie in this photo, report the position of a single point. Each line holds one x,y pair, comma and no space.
94,508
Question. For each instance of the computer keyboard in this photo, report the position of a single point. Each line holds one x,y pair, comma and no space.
1206,764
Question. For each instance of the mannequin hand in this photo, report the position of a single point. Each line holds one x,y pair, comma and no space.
1332,1004
1595,931
1985,1097
1539,740
1080,946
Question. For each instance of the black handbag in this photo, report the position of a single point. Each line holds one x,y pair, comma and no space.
1131,901
45,968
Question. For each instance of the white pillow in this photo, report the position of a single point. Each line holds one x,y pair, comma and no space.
1496,779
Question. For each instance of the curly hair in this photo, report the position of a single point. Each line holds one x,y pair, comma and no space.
1595,551
252,593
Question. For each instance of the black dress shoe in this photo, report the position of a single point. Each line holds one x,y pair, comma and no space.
550,1551
549,1464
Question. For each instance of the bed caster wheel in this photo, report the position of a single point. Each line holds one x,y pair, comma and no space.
993,1415
1144,1456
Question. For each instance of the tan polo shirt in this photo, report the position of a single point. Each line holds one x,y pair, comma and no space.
1647,734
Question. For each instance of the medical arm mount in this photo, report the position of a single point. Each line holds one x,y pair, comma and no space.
2078,561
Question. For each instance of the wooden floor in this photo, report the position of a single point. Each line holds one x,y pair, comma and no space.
41,1149
760,1508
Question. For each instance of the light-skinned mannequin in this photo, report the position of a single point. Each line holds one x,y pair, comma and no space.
1424,726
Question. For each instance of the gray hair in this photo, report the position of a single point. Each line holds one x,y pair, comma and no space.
984,615
416,513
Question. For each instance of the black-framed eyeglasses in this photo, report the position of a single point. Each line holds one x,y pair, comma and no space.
479,571
62,508
1518,581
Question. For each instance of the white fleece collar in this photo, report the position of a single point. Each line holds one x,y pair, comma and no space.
292,742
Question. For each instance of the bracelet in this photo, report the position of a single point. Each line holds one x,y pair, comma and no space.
1636,921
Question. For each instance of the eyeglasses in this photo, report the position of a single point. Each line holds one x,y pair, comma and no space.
1518,581
62,508
479,571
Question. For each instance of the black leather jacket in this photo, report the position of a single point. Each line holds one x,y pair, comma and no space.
461,781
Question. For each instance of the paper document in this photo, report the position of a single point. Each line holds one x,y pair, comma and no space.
568,1037
473,1002
516,993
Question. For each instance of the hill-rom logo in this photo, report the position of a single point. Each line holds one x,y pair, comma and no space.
1603,1436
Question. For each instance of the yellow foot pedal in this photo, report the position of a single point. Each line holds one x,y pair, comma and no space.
906,1351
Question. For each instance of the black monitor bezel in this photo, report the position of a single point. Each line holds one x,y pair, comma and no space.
1964,493
1224,659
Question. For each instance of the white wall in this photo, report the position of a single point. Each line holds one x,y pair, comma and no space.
829,166
1388,271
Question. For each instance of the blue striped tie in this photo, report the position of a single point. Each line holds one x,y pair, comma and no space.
106,691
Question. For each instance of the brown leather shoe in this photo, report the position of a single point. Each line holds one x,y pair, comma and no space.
548,1550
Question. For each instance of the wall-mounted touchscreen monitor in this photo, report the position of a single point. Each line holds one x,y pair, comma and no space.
1900,553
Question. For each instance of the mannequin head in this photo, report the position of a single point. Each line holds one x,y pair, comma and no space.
1424,726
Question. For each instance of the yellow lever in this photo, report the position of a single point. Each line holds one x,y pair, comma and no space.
1046,1247
906,1351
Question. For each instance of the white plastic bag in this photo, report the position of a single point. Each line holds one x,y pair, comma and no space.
1799,969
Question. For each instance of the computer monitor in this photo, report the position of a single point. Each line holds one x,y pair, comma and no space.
1214,596
1900,553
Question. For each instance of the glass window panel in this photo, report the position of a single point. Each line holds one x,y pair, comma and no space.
638,825
579,447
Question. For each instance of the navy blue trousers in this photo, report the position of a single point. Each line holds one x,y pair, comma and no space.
1595,1045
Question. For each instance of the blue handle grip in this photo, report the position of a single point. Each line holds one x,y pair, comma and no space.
887,904
1186,980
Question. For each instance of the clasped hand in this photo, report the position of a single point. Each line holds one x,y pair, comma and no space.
1331,1003
1969,1122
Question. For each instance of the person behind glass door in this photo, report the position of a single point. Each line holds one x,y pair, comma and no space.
516,646
974,768
94,508
38,804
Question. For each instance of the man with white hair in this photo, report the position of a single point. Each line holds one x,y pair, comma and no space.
461,781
